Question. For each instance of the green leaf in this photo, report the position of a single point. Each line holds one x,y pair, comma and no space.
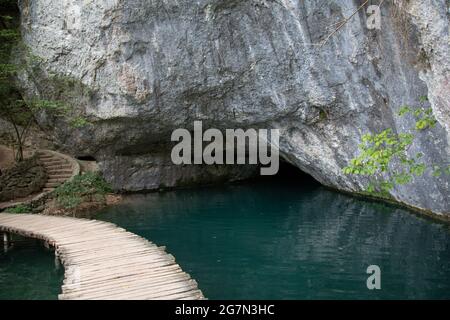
404,110
447,170
437,172
423,99
79,122
417,113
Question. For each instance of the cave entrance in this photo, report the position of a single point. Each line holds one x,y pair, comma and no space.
86,158
87,163
290,175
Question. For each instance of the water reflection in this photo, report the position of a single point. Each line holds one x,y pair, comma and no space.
282,241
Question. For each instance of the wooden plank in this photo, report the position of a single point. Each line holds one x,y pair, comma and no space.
116,246
110,262
146,269
124,279
128,283
138,291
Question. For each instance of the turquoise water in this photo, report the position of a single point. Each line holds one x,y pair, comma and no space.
279,240
27,272
267,239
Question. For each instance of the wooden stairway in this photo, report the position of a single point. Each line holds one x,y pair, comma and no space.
59,169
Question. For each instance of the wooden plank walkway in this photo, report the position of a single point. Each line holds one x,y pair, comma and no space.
105,262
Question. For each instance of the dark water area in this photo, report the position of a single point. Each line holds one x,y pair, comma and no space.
290,238
27,272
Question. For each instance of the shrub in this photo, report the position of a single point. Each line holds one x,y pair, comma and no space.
21,208
87,187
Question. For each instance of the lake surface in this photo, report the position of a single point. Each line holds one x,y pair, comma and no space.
279,240
27,272
269,239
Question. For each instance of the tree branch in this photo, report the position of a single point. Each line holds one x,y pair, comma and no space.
345,22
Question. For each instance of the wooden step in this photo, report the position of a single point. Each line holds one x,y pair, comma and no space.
43,154
52,185
59,172
59,176
46,157
58,166
55,161
56,180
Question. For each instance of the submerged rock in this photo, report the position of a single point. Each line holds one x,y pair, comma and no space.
139,69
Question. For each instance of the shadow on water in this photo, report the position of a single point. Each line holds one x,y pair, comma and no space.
287,237
27,271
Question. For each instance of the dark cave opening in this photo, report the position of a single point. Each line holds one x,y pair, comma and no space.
86,158
288,174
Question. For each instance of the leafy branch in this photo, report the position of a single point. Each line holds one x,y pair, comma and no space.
386,154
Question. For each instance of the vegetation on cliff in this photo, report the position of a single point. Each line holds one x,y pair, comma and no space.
384,156
19,110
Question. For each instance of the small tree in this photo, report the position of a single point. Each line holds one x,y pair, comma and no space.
14,107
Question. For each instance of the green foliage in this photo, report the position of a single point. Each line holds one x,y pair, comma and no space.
15,108
423,99
379,151
437,171
404,110
11,105
79,122
57,106
9,34
323,115
424,116
21,208
81,188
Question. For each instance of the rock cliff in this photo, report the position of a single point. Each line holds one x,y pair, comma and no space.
139,69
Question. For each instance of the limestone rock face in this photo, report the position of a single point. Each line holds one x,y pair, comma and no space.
146,68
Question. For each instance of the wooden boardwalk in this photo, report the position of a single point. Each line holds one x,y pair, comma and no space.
105,262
